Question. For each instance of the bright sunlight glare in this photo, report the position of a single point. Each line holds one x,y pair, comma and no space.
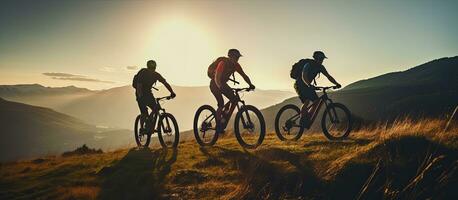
182,50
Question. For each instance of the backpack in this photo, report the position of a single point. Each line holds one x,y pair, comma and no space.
135,79
212,68
296,70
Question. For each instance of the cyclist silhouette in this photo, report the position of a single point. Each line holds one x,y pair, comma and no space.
143,83
309,69
219,72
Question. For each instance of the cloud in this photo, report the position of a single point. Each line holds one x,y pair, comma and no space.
107,69
73,77
54,74
131,67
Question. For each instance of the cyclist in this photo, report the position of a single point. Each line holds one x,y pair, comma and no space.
220,72
304,87
143,83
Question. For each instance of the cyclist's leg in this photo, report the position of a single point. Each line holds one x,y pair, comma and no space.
219,99
229,93
314,106
300,88
217,93
306,114
143,109
142,105
151,103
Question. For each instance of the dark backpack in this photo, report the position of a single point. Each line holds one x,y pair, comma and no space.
296,70
212,68
135,80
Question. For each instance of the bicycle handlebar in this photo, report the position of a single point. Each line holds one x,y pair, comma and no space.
162,98
326,88
242,89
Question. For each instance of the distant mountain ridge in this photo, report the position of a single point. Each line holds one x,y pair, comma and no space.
437,72
116,107
427,90
28,131
21,89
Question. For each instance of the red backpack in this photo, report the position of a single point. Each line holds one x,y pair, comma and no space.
212,68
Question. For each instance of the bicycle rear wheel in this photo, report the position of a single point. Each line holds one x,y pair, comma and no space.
142,138
287,123
205,126
249,127
168,133
336,122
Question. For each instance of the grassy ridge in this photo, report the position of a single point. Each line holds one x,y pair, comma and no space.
405,160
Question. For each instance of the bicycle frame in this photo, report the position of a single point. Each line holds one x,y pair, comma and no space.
323,99
156,114
227,114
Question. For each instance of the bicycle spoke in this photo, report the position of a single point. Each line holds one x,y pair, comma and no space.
205,125
250,130
288,120
336,122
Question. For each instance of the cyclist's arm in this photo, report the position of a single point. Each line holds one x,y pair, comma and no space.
167,85
239,70
330,78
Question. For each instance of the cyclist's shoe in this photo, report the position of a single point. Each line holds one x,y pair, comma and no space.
305,121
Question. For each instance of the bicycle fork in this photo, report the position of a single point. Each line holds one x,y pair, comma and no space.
166,128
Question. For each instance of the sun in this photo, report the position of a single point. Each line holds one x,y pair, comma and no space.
180,43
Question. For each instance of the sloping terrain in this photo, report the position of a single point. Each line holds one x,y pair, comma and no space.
28,131
428,90
409,159
440,73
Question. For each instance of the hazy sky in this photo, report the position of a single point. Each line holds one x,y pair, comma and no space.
96,44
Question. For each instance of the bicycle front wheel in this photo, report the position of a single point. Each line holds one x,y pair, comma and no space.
142,137
205,126
249,127
287,123
168,132
336,122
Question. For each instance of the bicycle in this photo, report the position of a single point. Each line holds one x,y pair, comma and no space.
166,128
336,121
248,120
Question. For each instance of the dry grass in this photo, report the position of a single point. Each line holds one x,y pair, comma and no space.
79,192
310,168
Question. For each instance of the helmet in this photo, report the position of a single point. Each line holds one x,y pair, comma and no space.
234,53
151,64
319,55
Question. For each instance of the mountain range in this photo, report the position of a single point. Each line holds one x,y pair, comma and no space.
427,90
61,119
28,131
117,108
